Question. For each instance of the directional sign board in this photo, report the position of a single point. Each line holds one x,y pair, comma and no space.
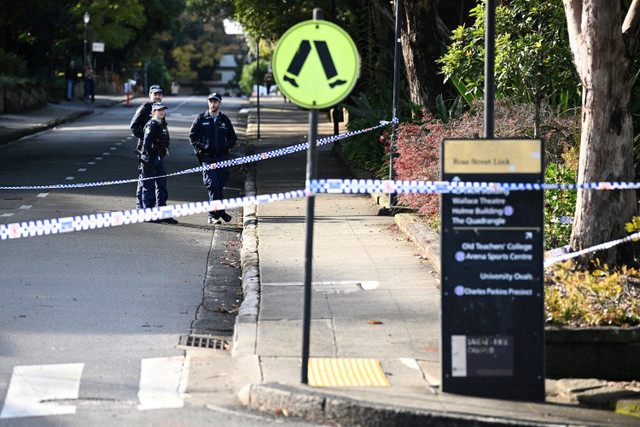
316,64
492,296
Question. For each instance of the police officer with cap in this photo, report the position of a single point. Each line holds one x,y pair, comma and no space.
139,120
212,135
155,146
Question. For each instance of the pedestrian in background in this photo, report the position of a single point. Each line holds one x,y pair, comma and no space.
139,120
155,147
72,78
212,135
89,83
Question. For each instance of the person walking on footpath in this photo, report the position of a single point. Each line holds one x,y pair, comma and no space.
72,78
139,120
155,147
212,135
89,83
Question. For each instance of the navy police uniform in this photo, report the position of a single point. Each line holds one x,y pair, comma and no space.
212,137
155,146
138,122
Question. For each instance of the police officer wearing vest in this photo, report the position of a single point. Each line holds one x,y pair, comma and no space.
155,146
212,136
139,120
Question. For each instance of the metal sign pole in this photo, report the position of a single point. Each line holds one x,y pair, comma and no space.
258,82
396,96
308,255
489,68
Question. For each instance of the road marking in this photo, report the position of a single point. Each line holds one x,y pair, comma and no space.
98,158
70,178
42,195
163,381
411,363
33,390
7,214
82,170
25,207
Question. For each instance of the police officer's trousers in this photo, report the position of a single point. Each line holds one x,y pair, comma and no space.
214,180
154,191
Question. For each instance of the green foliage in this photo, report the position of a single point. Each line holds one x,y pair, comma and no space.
600,297
199,47
157,73
533,58
12,65
248,78
560,203
113,23
634,225
369,150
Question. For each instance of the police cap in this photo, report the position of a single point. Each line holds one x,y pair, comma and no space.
216,96
158,106
155,88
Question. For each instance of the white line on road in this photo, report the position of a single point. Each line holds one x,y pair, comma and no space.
33,390
163,381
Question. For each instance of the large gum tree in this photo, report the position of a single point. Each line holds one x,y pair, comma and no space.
603,48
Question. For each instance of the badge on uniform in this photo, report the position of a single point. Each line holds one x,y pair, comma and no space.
147,130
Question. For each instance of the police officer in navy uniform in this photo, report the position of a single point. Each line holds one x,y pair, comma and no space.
155,146
212,135
139,120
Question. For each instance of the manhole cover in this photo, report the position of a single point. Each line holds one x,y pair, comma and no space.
203,341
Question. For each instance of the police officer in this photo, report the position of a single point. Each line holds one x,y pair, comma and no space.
139,120
155,146
212,136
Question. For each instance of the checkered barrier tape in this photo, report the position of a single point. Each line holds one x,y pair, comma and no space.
389,186
112,219
607,245
226,163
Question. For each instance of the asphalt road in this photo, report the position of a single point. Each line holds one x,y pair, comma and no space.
99,313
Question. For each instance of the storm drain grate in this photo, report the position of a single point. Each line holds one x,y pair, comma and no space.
203,341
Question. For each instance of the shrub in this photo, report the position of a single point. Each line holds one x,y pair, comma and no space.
601,297
419,144
560,203
12,65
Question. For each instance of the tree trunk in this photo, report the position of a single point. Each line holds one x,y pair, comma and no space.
605,67
421,47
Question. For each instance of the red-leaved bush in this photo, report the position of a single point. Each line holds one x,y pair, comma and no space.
418,144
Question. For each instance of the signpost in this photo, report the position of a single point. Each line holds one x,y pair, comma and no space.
492,297
316,65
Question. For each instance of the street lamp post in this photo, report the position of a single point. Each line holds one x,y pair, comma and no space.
86,21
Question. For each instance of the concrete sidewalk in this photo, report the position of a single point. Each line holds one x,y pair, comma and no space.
16,126
374,297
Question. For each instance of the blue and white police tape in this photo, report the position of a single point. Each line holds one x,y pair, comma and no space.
112,219
607,245
391,186
223,164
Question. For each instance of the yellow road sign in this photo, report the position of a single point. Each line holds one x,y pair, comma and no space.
316,64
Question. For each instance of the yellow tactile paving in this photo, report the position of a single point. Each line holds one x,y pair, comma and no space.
335,372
